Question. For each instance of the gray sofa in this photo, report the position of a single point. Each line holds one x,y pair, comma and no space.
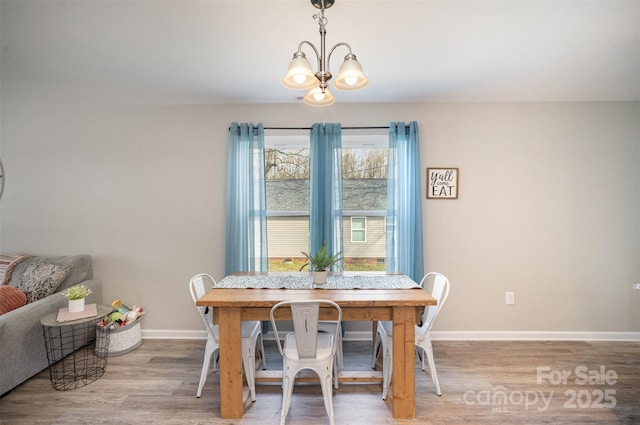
22,349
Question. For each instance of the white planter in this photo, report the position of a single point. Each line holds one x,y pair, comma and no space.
76,306
320,278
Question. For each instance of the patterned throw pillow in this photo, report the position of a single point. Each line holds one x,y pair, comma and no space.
41,280
11,298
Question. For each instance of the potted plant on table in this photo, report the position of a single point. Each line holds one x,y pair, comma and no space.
76,295
320,263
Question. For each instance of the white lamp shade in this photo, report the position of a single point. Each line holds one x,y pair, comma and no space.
350,76
299,76
315,97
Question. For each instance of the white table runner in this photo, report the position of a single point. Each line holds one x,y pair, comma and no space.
303,281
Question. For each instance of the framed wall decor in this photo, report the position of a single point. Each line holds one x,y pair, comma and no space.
442,183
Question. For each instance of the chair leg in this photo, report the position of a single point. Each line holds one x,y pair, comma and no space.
339,353
432,367
387,369
263,359
216,360
376,351
338,363
327,394
249,363
420,355
208,353
287,391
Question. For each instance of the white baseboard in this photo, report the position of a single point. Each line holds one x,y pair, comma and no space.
533,336
162,334
443,335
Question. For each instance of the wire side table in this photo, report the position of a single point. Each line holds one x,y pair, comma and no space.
77,354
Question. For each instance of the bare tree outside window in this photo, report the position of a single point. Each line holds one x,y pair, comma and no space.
286,164
364,163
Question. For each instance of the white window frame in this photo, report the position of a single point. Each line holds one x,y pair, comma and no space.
364,229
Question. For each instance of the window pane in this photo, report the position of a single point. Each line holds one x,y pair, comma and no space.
358,236
364,186
357,223
287,192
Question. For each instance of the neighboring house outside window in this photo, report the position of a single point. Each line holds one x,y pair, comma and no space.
364,219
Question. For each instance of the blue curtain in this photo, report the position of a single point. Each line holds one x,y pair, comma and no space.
404,202
246,248
326,188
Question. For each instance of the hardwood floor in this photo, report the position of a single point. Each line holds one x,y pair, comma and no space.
493,382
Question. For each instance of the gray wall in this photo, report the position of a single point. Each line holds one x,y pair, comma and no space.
549,203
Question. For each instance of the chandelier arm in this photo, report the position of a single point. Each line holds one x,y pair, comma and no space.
310,44
334,48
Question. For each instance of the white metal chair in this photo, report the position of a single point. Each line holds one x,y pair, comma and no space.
383,344
306,348
251,337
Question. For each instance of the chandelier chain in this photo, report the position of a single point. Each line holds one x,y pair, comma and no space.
322,20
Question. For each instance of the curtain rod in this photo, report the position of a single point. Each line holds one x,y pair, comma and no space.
386,127
343,128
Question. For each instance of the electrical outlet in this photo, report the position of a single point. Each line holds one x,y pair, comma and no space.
511,297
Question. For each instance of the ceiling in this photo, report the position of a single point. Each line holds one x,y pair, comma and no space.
237,51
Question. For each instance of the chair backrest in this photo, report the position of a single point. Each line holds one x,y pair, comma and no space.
198,286
439,291
305,315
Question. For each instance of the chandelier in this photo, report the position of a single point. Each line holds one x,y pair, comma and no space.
301,77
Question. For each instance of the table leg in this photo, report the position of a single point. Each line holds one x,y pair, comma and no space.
403,379
230,333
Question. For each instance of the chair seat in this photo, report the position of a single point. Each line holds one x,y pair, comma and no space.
324,350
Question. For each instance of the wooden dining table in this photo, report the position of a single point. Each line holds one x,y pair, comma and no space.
231,306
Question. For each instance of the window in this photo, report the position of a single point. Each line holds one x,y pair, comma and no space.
246,242
287,197
364,167
358,229
364,187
